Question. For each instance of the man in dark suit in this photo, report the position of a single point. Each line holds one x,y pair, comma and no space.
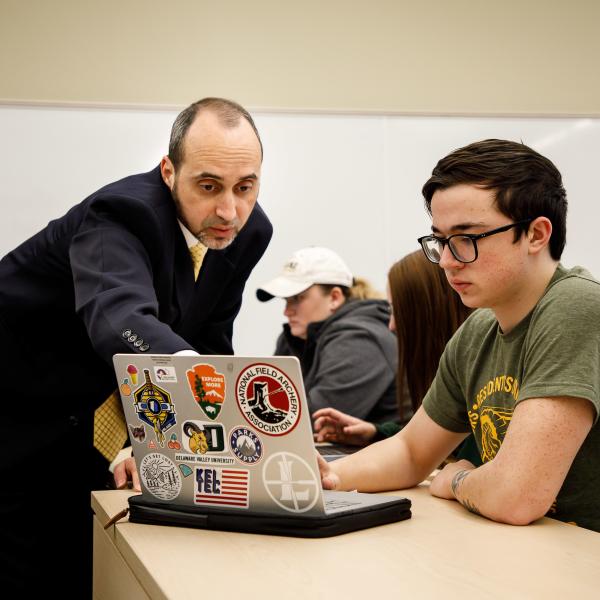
115,274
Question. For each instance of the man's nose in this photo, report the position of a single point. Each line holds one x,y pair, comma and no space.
226,207
287,311
447,260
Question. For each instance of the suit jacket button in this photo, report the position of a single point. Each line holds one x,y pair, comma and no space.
73,421
126,333
132,337
144,347
138,342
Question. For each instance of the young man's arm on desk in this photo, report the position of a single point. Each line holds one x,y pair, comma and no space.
399,462
522,481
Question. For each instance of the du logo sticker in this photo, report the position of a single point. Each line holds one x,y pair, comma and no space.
202,438
160,476
268,399
245,445
217,486
154,407
290,482
208,389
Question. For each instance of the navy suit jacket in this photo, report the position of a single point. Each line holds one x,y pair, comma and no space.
113,275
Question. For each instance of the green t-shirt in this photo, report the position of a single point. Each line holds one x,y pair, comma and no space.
554,351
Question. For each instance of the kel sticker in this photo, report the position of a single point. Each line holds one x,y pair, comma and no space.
202,438
222,487
245,445
160,476
290,482
208,389
154,407
268,399
185,470
165,374
138,433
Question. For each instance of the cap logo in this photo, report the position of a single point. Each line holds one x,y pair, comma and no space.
292,265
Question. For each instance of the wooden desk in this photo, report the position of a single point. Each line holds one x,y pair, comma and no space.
442,552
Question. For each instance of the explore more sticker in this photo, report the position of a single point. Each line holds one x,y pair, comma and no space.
267,399
208,388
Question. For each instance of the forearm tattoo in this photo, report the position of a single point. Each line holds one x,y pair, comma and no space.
456,481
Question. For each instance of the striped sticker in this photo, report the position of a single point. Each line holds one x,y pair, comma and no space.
216,486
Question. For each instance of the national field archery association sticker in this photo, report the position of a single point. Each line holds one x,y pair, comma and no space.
268,399
160,476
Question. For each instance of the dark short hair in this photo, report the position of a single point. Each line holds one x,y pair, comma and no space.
228,112
527,185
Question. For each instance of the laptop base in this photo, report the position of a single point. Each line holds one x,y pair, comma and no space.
153,513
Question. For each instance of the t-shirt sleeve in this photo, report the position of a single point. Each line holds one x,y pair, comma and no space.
445,402
563,350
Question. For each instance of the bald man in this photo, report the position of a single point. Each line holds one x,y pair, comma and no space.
115,274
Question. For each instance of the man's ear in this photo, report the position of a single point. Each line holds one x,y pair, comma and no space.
538,234
167,170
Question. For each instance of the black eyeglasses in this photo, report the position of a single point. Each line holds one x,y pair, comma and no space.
462,245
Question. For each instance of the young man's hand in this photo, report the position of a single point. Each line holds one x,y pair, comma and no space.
441,485
329,480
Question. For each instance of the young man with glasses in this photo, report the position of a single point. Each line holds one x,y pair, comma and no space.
523,374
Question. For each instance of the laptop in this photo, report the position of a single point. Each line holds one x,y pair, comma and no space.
224,442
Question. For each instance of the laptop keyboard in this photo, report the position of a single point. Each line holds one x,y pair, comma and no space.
336,449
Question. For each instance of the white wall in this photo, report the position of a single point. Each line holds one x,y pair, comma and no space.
350,182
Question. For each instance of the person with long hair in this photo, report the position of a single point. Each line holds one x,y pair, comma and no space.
425,314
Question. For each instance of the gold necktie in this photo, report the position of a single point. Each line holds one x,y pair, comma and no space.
110,431
197,253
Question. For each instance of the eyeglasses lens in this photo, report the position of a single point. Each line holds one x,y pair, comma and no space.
463,248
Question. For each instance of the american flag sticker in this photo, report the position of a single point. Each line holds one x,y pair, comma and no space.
217,486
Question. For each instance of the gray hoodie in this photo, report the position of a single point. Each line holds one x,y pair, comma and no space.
349,361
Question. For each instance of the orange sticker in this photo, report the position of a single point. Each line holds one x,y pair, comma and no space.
208,389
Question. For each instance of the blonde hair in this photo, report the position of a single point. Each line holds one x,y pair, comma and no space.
361,290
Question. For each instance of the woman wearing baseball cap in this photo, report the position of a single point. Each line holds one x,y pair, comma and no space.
338,328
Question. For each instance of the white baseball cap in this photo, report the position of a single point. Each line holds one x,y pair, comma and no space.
307,267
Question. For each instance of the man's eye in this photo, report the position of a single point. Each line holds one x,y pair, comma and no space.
207,187
245,187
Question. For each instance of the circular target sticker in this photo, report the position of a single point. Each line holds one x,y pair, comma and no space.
268,399
160,476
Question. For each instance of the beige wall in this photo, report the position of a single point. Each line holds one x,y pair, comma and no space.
426,56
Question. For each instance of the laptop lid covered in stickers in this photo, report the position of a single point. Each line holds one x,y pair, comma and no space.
231,436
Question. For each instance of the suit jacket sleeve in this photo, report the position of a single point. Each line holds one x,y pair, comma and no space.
112,271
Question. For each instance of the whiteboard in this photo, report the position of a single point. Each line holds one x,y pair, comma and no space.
350,182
